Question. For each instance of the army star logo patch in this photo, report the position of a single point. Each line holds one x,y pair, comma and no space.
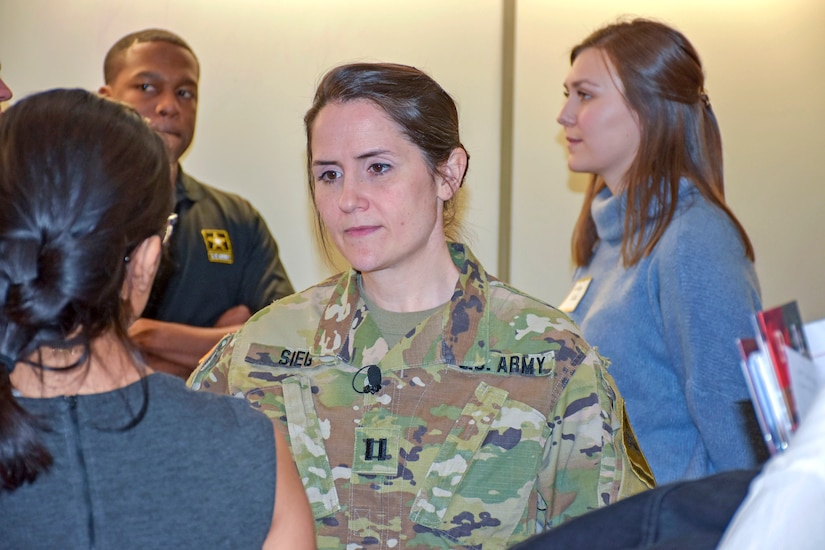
218,246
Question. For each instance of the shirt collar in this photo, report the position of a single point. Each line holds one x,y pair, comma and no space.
186,188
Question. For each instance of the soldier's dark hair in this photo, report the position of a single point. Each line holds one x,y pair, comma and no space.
664,85
84,181
113,63
423,110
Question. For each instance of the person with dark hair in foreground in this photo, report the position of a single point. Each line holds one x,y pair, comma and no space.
96,450
222,264
428,404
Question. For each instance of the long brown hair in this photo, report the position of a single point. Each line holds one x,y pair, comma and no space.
665,86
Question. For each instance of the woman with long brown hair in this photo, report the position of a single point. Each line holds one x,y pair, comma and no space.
665,280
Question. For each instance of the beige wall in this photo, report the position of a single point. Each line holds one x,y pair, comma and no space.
262,58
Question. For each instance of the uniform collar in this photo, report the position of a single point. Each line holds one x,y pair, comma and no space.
459,336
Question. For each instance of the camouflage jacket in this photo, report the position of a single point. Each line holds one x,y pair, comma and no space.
493,415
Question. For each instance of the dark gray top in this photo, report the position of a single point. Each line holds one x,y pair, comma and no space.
198,471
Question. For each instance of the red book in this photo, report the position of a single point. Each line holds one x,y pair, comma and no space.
776,328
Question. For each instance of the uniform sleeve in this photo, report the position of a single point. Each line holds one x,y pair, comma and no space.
592,458
264,275
707,294
212,374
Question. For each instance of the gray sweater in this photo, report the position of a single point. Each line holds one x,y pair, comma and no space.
669,326
198,471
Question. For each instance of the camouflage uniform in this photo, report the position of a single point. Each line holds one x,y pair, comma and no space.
493,415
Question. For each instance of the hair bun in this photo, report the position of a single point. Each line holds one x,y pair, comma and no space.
19,258
29,273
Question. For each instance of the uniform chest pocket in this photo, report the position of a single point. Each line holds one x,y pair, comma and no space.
308,449
480,486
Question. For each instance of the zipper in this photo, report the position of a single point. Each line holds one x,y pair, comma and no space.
87,495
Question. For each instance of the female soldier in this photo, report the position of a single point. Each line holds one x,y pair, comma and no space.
665,269
428,404
94,449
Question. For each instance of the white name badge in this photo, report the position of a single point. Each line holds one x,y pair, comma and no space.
576,294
